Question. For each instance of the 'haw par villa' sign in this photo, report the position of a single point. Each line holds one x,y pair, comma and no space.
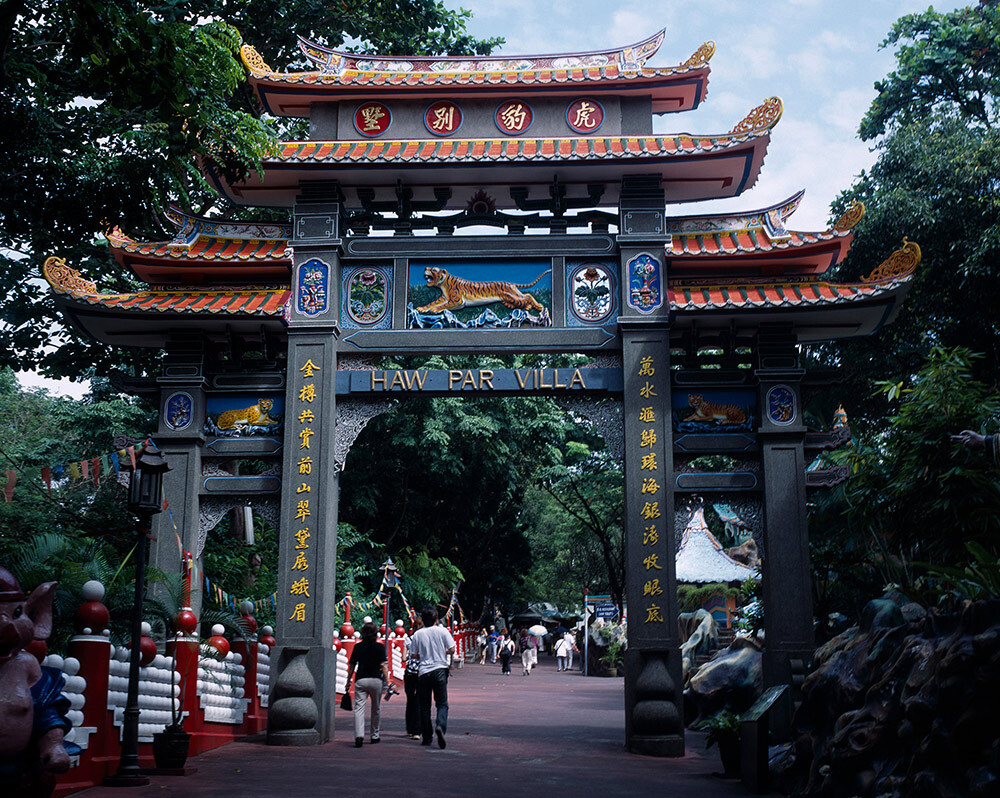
690,325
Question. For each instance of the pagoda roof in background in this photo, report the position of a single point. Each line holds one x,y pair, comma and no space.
835,310
693,167
701,558
340,75
208,251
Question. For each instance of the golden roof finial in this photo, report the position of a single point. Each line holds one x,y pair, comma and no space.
850,217
901,263
65,279
763,117
701,56
252,61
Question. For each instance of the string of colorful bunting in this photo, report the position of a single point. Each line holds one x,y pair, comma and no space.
87,469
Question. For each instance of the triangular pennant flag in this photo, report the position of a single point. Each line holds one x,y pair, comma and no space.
95,464
8,490
131,454
85,468
74,470
58,472
47,478
115,462
105,464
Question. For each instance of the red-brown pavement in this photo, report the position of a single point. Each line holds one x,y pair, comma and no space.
547,734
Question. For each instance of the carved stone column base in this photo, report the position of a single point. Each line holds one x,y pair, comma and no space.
671,745
294,737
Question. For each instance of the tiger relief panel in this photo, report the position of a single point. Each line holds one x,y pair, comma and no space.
244,415
506,294
713,410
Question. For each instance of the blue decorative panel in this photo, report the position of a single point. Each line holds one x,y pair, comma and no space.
781,405
366,298
591,294
178,411
645,288
312,293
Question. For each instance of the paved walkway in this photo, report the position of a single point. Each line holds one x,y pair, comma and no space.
548,734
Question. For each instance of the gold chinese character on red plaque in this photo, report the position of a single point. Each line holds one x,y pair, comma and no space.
443,118
513,117
585,116
372,119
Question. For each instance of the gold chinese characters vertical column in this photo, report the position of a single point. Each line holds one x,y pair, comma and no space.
303,701
653,716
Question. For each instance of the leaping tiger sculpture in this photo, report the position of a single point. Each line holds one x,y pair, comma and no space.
459,293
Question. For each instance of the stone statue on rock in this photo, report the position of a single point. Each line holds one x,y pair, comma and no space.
32,707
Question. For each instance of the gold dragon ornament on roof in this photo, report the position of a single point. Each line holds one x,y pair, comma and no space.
763,117
901,263
65,279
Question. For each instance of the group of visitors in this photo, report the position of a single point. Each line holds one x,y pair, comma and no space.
503,646
426,677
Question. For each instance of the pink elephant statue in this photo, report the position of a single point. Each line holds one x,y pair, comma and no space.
32,707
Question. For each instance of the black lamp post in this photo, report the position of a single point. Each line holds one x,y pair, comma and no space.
145,499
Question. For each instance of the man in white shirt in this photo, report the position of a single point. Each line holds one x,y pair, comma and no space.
431,646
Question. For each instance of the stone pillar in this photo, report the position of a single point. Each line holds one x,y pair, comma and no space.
786,581
653,713
180,437
303,697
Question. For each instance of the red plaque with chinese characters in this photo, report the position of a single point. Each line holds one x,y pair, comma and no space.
585,115
372,119
513,117
443,118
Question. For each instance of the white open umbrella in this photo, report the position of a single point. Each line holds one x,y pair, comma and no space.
538,630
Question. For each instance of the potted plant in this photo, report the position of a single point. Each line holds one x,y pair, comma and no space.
724,728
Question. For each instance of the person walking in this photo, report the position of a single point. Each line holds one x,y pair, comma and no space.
562,652
482,640
369,660
494,642
534,643
506,652
410,687
431,646
571,638
524,646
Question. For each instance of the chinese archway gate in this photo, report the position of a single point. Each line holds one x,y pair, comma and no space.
693,322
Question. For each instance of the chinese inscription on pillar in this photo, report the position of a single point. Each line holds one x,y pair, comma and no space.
304,505
650,386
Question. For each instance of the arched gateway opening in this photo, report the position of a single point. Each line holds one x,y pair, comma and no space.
693,323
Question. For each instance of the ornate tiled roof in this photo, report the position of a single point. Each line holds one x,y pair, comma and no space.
761,232
596,148
66,281
896,270
378,71
701,558
331,61
207,248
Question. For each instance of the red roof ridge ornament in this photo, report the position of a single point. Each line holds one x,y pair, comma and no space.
770,219
849,218
329,61
900,264
764,117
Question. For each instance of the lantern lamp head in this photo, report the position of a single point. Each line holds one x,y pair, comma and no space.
145,493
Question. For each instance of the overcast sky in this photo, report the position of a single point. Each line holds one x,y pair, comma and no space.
821,57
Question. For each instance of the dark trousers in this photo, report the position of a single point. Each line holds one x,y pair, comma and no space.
434,683
412,703
505,661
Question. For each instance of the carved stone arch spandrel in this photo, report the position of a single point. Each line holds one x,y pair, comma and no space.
212,509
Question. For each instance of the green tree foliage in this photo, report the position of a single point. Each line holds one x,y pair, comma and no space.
78,531
935,182
447,478
913,496
107,105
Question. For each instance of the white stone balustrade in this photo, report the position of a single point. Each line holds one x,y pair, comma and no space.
263,672
220,688
159,692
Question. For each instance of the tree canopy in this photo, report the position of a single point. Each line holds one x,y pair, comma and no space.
107,107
